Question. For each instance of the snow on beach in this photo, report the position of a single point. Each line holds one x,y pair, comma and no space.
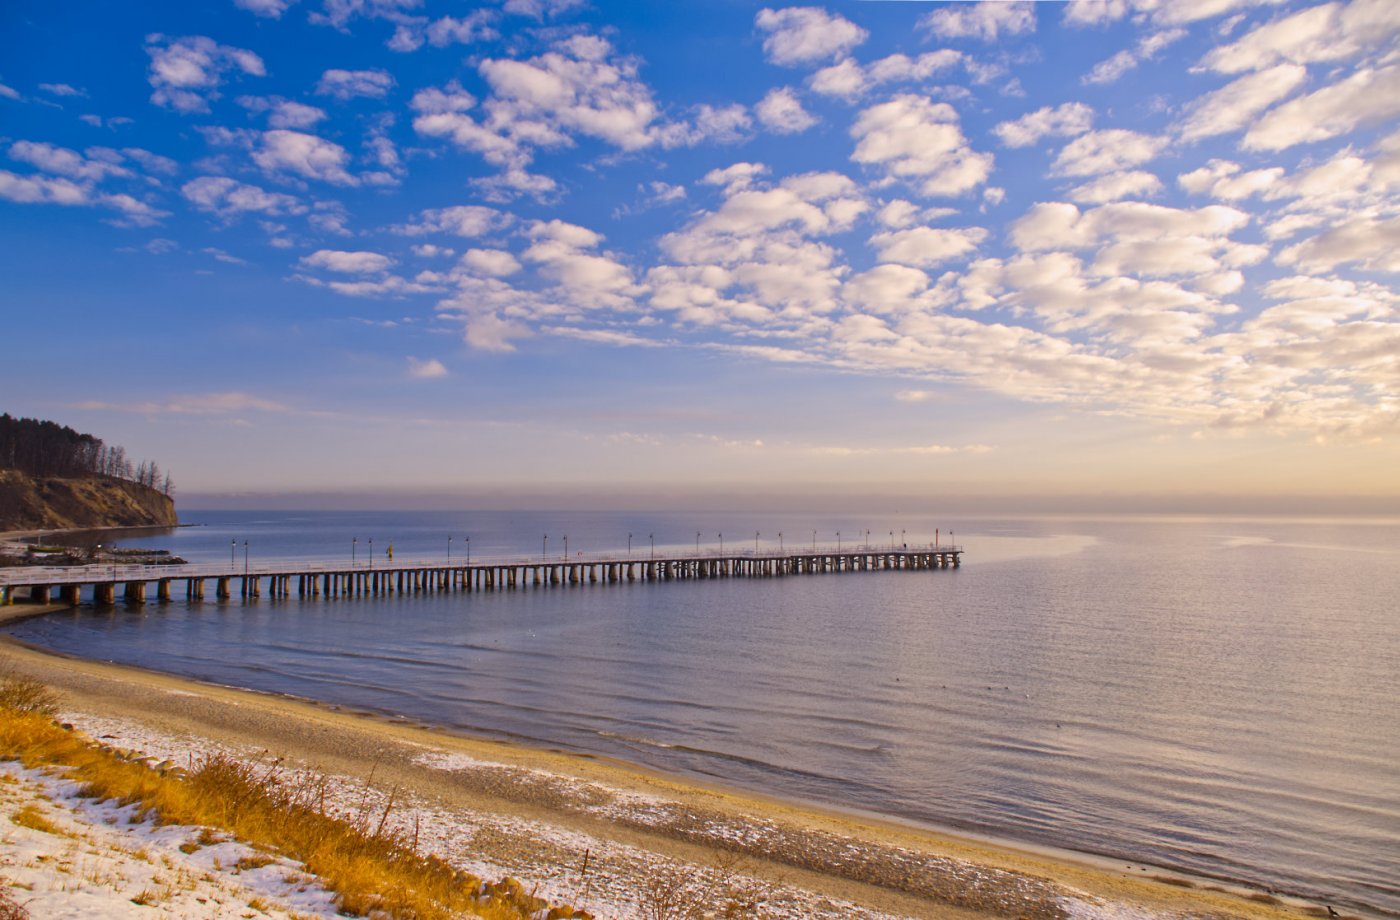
71,857
99,862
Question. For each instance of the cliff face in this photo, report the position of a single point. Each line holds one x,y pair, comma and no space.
48,503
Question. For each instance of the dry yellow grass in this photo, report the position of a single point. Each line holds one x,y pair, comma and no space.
368,867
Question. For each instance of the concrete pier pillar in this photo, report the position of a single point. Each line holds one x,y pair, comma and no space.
40,594
136,592
104,593
221,587
163,589
71,594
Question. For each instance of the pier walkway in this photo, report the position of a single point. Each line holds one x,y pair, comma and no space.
99,583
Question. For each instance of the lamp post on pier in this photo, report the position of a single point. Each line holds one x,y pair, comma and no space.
232,554
697,542
721,544
891,541
566,547
755,543
245,558
544,548
469,549
838,542
629,545
449,551
353,542
781,551
652,537
371,552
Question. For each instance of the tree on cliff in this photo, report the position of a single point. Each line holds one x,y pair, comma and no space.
43,448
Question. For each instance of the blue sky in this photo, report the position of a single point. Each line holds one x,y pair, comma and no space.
1124,248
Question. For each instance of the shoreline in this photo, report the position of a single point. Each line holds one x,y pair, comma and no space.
881,863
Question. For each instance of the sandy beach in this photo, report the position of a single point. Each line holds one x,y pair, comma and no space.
613,837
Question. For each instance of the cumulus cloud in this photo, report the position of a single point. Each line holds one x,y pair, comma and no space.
271,9
987,20
1109,70
1116,186
306,155
850,80
927,247
64,162
497,263
801,35
347,84
460,220
1109,150
350,263
187,72
1365,96
1067,120
781,112
1323,33
1368,243
919,141
230,198
1237,104
429,369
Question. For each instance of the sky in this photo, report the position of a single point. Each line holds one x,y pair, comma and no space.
1136,253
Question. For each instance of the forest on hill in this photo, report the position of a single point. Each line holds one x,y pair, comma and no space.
47,449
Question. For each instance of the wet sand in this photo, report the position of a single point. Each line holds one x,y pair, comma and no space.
535,813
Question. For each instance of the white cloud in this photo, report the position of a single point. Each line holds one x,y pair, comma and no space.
1237,104
1067,120
1365,96
61,89
288,114
42,190
1116,186
347,84
927,247
304,155
187,72
474,27
1222,179
541,9
849,80
494,262
460,220
64,162
805,34
781,112
1109,150
350,263
1370,244
272,9
1148,47
9,92
431,369
919,141
987,20
1323,33
229,198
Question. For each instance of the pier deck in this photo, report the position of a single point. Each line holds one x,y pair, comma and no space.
71,584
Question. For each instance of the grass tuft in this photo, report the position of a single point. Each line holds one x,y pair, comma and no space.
371,867
31,817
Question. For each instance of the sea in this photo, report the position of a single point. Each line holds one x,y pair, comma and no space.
1214,695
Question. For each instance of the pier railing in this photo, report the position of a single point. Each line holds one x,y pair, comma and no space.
23,576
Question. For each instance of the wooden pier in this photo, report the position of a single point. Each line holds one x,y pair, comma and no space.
135,585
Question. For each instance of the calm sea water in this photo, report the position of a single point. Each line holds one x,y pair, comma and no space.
1212,695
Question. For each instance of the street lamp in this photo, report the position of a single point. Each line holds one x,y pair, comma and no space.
781,551
353,541
697,542
566,547
449,550
755,543
721,544
245,558
371,552
544,548
469,550
891,541
838,542
652,537
232,553
629,545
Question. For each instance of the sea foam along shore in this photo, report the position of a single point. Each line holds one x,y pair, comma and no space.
616,839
